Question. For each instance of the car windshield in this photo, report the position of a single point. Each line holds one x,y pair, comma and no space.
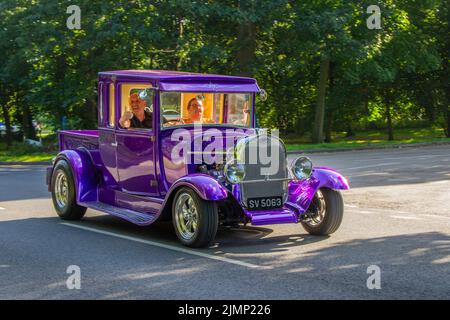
184,108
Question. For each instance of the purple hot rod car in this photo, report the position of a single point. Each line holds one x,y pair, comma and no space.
185,146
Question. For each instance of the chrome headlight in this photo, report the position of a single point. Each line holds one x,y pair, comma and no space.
301,168
234,172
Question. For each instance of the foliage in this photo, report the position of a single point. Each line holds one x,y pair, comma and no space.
378,78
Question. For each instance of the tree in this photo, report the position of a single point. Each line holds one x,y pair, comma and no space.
323,68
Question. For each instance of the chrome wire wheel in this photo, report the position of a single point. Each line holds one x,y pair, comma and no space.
61,189
319,209
186,216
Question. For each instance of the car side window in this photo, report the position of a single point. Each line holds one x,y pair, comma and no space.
136,109
111,109
100,104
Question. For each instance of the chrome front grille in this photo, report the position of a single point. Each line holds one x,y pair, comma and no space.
266,174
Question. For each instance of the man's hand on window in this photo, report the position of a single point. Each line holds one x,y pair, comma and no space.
124,120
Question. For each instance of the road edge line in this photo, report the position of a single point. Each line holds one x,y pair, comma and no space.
165,246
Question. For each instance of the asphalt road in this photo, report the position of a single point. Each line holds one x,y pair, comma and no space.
397,217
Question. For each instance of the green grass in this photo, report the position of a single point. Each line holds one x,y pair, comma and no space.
21,152
7,157
368,139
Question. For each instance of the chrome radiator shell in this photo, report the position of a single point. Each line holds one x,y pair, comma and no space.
266,172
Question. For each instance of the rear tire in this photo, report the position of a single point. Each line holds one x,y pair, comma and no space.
194,219
328,206
63,193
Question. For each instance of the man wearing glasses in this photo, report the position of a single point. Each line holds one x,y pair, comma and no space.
195,112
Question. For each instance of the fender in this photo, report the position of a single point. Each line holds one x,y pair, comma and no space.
83,171
301,193
204,185
330,178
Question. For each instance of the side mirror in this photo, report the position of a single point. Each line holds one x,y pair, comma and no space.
145,93
263,95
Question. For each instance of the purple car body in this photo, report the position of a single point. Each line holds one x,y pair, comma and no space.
130,173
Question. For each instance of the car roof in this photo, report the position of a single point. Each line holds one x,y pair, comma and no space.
167,75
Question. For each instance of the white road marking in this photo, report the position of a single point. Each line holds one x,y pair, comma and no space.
1,208
402,158
405,218
166,246
351,206
435,216
372,166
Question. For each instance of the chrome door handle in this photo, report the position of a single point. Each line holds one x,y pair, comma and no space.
114,144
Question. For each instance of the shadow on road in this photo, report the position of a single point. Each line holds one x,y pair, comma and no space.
227,238
412,265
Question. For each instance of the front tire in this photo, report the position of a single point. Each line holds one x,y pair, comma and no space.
63,193
195,220
326,212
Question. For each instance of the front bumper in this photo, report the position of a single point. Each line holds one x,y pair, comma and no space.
274,216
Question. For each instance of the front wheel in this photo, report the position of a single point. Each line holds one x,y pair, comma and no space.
325,212
195,220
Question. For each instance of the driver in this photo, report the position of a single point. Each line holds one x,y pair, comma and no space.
195,114
139,116
195,111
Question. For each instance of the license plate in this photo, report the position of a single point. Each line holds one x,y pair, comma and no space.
264,203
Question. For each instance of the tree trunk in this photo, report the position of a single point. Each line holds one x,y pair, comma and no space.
246,41
447,130
320,106
389,122
180,43
7,119
27,123
329,127
447,98
366,104
388,100
430,109
59,78
91,112
329,117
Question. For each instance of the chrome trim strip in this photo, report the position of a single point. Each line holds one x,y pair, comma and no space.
265,180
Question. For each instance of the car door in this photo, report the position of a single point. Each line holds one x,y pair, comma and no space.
106,129
136,147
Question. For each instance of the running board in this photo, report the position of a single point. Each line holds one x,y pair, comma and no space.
139,218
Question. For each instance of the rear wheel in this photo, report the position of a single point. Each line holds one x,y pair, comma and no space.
325,212
63,193
195,220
